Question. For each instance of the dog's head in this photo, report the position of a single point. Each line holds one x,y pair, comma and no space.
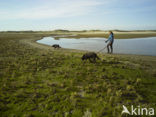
83,57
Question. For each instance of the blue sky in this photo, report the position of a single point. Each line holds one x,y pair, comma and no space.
77,14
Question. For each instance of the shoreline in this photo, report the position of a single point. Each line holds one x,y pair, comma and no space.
89,50
139,59
32,42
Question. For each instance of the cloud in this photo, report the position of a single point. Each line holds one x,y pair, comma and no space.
55,9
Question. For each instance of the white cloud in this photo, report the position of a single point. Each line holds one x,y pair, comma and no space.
49,9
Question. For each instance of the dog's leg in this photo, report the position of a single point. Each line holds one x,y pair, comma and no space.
90,60
94,59
84,61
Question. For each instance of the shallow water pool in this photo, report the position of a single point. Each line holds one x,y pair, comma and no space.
139,46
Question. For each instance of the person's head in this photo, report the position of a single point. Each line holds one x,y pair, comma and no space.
110,32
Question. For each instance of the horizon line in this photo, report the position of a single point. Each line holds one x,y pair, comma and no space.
75,30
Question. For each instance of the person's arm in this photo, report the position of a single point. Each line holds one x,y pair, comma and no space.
109,38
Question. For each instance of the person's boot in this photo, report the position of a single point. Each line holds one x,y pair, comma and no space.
107,49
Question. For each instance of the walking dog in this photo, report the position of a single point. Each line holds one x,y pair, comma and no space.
91,56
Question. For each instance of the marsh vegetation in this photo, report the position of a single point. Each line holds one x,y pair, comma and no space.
39,81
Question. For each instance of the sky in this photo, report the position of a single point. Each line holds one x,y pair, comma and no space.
19,15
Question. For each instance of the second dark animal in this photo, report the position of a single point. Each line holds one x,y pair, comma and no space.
56,46
91,56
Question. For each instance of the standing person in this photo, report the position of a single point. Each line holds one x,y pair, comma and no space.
110,42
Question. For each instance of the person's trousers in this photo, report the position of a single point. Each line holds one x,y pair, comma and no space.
110,46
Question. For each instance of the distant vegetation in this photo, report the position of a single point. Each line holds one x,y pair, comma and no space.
119,34
61,30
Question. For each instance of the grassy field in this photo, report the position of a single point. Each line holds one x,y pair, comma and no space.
38,81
